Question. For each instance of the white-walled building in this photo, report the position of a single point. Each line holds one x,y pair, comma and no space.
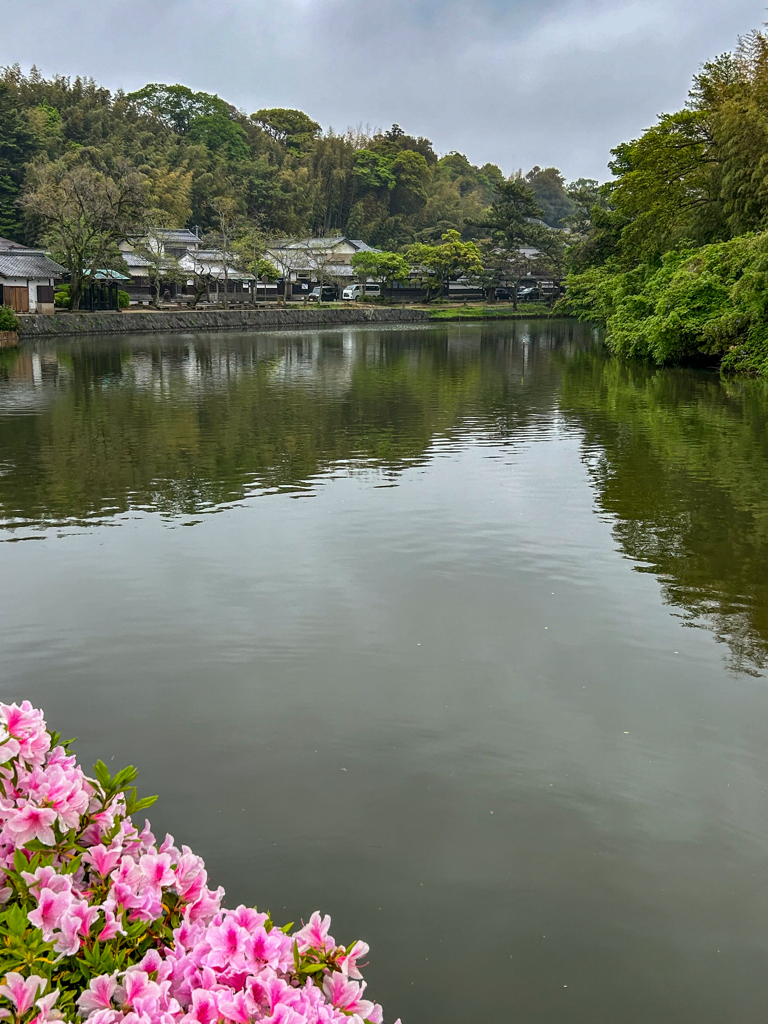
306,260
26,278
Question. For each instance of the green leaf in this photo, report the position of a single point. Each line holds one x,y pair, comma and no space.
20,862
102,774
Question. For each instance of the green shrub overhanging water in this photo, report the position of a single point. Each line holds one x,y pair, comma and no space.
706,304
100,921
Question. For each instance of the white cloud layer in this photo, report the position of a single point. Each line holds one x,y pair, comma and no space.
517,82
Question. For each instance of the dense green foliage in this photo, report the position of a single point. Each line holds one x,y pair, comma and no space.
674,258
8,319
284,174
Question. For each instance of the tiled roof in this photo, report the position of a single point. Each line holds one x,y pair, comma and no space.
132,259
321,243
183,235
362,246
28,263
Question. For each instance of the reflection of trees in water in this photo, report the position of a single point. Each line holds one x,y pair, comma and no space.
188,425
680,462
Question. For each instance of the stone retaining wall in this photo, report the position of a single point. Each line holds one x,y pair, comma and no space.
72,324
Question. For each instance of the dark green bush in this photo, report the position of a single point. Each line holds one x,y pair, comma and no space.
8,319
61,296
123,300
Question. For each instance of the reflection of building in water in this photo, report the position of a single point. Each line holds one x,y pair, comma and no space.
31,379
322,359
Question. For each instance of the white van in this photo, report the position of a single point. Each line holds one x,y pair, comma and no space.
354,291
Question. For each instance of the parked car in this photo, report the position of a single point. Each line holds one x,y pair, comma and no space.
330,293
526,293
353,292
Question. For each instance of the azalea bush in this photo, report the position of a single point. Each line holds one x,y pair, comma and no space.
100,922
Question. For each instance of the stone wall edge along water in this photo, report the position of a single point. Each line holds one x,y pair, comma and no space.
73,324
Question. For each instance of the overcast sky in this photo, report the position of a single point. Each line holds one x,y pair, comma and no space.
515,82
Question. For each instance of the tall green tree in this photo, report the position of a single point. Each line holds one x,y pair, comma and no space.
85,213
17,146
437,264
385,266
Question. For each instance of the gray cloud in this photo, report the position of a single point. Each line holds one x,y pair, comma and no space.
517,83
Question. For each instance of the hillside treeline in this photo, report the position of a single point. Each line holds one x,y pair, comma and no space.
675,263
285,173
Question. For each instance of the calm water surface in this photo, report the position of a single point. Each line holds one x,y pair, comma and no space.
459,634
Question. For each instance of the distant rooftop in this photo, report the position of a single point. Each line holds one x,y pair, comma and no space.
6,244
183,236
320,243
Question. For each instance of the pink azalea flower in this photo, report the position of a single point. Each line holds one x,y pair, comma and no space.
235,1007
27,726
137,985
285,1015
228,943
105,1017
22,992
152,961
204,1008
31,822
50,910
157,869
347,995
348,962
112,925
47,878
47,1012
102,860
98,995
315,934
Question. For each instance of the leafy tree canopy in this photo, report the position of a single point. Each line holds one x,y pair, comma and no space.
176,106
290,127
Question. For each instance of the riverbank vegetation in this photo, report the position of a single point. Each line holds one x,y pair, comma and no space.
102,923
82,169
675,261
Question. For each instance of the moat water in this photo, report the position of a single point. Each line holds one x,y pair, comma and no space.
456,633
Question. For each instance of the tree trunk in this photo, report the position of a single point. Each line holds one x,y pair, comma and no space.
514,295
75,291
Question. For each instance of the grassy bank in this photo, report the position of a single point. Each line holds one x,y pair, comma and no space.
493,312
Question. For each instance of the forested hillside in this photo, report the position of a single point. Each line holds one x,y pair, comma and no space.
676,260
283,171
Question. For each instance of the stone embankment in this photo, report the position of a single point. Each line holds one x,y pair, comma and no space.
75,324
